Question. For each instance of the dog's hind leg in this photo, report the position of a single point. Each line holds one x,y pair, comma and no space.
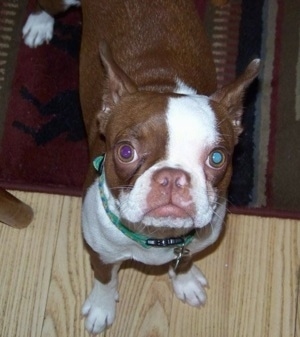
39,25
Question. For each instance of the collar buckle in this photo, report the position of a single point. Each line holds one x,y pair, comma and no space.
165,242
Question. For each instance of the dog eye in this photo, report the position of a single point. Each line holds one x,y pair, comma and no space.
216,158
127,153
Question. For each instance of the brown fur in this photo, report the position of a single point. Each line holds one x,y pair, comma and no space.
141,55
144,57
151,52
102,271
52,7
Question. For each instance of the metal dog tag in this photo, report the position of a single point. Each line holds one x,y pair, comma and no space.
181,254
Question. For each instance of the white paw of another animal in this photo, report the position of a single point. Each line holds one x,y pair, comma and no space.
190,287
38,29
99,308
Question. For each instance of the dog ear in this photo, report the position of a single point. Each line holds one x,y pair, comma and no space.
231,95
118,83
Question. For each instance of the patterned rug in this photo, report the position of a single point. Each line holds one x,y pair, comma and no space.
42,139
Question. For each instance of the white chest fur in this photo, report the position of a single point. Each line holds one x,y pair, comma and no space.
106,239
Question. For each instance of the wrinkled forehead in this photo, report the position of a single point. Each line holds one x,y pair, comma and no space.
177,126
192,128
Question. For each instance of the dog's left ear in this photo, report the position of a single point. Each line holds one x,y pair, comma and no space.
231,95
118,82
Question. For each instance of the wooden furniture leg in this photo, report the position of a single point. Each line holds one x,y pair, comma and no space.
13,211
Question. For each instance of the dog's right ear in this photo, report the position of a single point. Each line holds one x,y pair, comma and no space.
118,83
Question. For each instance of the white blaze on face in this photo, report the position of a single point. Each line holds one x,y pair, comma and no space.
192,134
192,130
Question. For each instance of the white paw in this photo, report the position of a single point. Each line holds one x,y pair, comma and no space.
38,29
99,308
190,287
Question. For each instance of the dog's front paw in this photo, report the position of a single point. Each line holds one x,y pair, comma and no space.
99,308
38,29
190,287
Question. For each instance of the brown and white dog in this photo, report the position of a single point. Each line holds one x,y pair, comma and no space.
150,103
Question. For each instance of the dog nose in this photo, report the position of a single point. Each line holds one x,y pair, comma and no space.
170,177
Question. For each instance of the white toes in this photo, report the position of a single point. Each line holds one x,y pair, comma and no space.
97,318
99,308
38,29
190,287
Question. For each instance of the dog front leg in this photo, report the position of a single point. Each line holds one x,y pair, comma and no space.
100,306
39,25
189,283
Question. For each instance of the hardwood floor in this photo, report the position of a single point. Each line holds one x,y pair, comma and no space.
45,275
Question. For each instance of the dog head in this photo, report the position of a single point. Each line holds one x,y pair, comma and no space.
168,155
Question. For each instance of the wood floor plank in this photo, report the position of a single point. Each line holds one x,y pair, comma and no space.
210,320
71,276
297,315
45,276
145,302
253,282
264,277
26,257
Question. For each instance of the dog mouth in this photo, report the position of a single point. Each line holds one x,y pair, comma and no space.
168,211
169,216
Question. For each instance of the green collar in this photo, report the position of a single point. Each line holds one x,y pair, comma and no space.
143,240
